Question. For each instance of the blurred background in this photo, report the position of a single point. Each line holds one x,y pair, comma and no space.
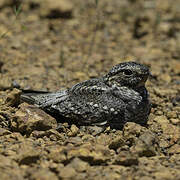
50,45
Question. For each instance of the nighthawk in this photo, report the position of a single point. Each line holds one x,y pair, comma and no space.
118,97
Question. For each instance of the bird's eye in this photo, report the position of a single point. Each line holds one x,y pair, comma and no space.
127,72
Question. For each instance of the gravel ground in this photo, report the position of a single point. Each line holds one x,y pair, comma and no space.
52,46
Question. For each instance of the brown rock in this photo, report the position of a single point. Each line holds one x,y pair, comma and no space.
5,162
2,2
6,3
132,130
57,9
175,121
13,98
175,66
167,128
27,154
164,92
43,174
94,130
51,133
74,140
171,114
29,118
67,172
29,157
93,155
9,169
126,159
11,174
174,149
83,153
6,114
165,77
164,27
4,132
163,144
161,120
57,154
5,82
74,131
165,174
144,145
17,136
79,165
116,143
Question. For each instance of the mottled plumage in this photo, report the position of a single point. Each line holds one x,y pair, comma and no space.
118,97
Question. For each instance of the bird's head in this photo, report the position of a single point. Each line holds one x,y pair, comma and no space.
129,74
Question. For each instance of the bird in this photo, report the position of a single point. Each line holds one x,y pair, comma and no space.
118,97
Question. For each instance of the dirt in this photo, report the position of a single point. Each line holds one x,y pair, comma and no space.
52,46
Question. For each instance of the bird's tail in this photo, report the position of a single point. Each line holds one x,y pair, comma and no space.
33,97
43,99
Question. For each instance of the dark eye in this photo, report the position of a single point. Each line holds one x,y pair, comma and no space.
127,72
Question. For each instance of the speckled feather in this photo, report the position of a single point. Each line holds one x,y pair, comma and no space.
118,97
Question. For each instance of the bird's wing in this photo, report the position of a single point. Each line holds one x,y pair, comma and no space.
91,102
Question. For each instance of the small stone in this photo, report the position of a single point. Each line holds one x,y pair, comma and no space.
94,130
67,173
163,174
80,75
48,133
43,174
74,130
4,132
163,144
6,114
171,114
81,152
161,119
116,143
29,158
159,113
93,155
5,83
57,9
9,169
57,154
169,129
13,98
164,92
175,149
132,129
175,67
79,165
6,162
144,145
29,118
27,154
165,77
126,159
74,140
175,121
17,136
164,27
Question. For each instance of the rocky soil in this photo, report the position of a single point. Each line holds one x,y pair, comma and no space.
51,45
